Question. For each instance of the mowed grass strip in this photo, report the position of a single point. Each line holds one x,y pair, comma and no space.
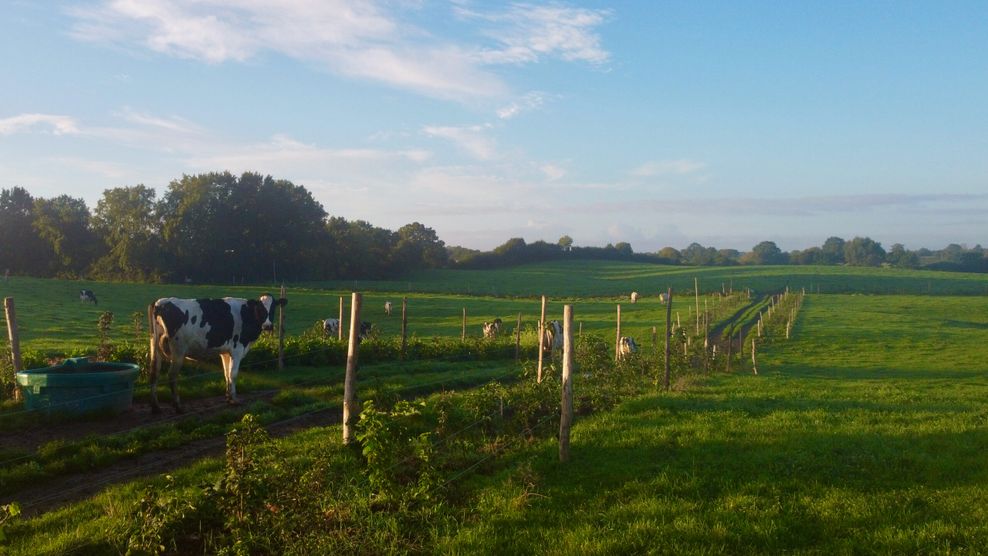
865,433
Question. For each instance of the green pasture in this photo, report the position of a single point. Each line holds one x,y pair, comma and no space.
613,278
866,433
52,319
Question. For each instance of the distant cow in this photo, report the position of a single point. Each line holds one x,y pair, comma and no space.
87,296
553,334
204,327
627,347
366,331
492,329
331,327
634,297
387,308
663,298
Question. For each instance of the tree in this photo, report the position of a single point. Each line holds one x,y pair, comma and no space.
419,247
766,252
63,222
24,251
863,251
832,251
900,257
671,254
698,255
126,221
566,243
624,248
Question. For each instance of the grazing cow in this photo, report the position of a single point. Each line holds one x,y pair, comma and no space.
205,327
366,330
634,297
663,298
87,295
491,329
387,308
627,347
331,327
553,333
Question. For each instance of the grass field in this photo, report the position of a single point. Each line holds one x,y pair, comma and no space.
610,278
52,319
864,434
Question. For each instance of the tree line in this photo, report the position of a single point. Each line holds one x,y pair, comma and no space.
213,227
859,251
217,227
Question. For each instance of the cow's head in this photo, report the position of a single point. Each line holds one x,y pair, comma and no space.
264,309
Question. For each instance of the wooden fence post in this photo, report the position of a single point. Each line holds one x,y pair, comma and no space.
518,339
754,363
696,295
730,346
617,339
404,326
281,331
339,331
541,341
566,411
15,340
668,331
463,329
350,382
580,333
655,339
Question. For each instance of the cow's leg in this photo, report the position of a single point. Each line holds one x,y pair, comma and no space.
155,368
227,362
176,365
234,370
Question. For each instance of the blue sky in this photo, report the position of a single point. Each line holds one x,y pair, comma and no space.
656,123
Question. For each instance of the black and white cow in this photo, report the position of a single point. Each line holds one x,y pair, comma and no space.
204,327
366,330
387,308
87,296
627,347
553,334
492,328
331,327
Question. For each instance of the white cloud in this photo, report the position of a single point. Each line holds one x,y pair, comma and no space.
528,32
50,123
174,123
552,172
530,101
472,139
366,40
667,167
101,168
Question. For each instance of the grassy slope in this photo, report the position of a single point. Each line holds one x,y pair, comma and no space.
865,433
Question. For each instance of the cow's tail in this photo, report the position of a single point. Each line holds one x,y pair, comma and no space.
154,353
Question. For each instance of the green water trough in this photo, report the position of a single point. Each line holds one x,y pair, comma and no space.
79,386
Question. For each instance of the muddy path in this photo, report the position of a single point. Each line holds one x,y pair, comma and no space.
59,491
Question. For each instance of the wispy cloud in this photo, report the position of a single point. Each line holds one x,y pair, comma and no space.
282,151
528,32
552,172
45,123
529,101
667,167
472,139
367,40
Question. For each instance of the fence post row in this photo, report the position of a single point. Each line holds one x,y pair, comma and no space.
15,342
350,382
668,332
617,339
404,326
339,329
281,331
518,338
566,411
541,341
